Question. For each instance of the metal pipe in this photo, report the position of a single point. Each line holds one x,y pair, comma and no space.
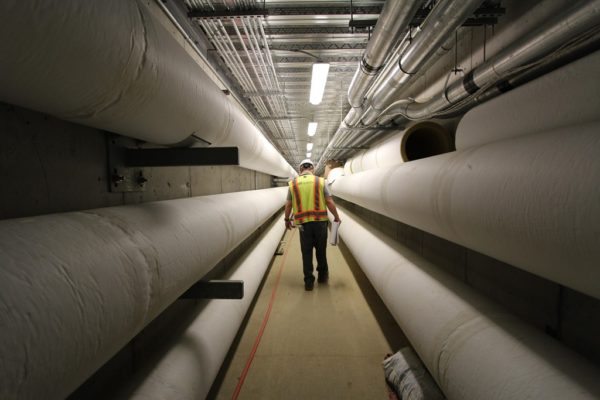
472,347
76,287
540,43
435,31
514,200
147,85
185,373
393,20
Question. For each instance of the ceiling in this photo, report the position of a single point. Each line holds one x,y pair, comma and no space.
266,50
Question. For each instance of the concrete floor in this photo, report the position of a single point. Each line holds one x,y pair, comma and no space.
324,344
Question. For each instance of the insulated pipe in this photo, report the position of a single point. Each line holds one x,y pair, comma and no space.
424,139
435,31
76,287
581,17
567,96
110,65
530,201
190,366
473,348
393,20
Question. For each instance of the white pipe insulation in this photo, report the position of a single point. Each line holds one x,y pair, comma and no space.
423,139
76,287
473,348
111,65
530,201
189,368
567,96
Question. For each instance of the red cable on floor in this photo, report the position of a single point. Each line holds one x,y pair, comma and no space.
238,388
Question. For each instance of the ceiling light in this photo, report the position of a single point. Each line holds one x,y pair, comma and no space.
312,128
317,84
308,154
309,146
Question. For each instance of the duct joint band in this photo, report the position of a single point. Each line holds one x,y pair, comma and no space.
369,69
504,86
402,69
469,84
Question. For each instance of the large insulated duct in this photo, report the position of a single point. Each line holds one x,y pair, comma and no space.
76,287
530,201
424,139
567,96
190,366
473,348
111,65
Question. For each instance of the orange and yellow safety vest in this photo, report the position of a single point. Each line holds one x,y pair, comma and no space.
308,199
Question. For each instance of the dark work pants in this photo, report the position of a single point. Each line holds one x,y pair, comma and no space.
313,235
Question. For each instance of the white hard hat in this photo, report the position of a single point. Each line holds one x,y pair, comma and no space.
306,161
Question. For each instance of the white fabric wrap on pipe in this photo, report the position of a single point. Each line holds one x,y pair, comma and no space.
75,287
531,201
473,348
189,368
568,96
426,137
111,65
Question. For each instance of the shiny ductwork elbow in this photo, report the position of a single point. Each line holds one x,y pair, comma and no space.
112,65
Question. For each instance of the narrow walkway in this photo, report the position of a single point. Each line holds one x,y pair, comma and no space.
324,344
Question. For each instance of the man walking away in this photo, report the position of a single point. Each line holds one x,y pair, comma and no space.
309,197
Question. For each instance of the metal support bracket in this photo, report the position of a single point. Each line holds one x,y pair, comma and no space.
215,289
126,160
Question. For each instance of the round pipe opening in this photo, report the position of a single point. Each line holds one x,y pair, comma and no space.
425,139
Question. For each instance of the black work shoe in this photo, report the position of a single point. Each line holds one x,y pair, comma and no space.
323,278
309,286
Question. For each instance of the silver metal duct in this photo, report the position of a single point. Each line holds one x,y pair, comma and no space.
435,32
546,41
394,19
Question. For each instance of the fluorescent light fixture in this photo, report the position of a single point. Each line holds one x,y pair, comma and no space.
309,146
312,128
308,155
317,84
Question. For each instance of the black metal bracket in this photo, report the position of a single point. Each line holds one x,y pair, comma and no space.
126,160
177,156
215,289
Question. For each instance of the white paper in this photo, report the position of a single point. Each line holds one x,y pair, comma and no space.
333,233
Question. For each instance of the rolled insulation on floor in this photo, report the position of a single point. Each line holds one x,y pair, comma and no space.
76,287
190,366
111,65
473,348
567,96
530,201
421,140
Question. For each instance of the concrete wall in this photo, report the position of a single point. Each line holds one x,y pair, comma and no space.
48,166
560,312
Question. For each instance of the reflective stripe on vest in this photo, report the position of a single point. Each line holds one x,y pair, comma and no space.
308,199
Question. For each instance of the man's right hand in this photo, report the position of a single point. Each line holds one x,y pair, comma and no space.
289,224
